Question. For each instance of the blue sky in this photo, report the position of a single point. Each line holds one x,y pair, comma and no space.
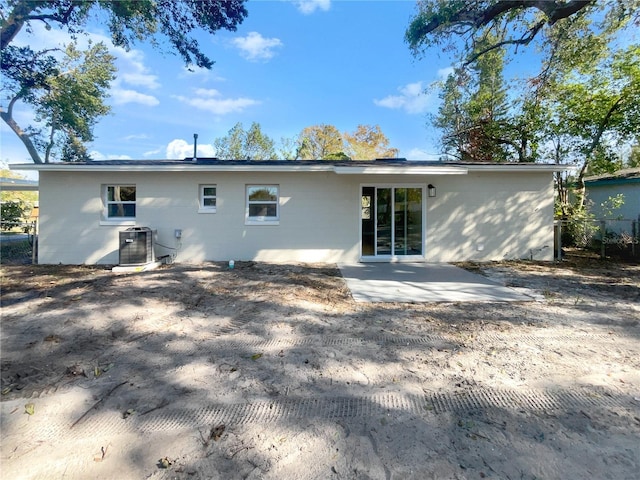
288,66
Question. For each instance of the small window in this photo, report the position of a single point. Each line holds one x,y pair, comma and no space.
262,204
207,199
120,202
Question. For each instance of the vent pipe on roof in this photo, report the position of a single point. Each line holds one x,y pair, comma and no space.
195,147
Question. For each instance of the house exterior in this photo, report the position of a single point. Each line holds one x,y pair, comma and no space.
600,188
297,211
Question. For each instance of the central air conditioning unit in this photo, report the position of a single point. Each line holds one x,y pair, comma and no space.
136,246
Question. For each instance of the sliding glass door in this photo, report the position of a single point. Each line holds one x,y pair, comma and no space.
392,222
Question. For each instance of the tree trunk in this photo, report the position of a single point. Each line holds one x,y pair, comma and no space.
14,22
581,189
24,137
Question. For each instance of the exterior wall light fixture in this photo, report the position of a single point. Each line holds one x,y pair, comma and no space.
431,190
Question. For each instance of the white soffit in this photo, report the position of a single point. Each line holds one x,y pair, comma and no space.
66,167
296,167
390,170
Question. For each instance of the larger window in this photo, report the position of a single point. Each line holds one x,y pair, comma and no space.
120,202
262,204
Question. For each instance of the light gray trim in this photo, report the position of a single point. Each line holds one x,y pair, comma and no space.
70,167
391,170
443,169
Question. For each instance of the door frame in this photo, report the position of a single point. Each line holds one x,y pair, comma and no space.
392,258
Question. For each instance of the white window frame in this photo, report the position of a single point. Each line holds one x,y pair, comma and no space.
106,219
262,220
202,208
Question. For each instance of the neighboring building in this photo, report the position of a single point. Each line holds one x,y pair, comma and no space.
18,184
602,187
297,211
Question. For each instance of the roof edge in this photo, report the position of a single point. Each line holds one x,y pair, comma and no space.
339,167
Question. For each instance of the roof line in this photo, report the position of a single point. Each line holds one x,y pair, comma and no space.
341,167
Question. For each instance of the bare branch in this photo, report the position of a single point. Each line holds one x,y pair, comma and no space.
524,40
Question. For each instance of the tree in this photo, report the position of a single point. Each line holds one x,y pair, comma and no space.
319,142
520,22
584,98
129,20
67,95
239,144
368,143
634,157
288,148
473,114
599,110
69,108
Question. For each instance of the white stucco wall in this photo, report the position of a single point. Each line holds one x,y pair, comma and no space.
479,216
491,216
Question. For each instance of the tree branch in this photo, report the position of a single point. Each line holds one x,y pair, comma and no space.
592,146
22,135
14,22
524,40
554,11
21,14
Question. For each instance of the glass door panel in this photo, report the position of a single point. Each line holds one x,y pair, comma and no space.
391,221
400,221
384,221
368,215
413,222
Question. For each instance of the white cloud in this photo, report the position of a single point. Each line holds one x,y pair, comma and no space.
151,153
444,73
95,155
307,7
255,47
211,100
178,149
206,92
141,80
132,69
138,136
204,75
420,154
122,96
412,99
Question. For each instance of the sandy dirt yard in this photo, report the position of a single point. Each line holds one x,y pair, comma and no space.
274,372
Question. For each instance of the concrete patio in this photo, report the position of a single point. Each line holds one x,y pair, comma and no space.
423,282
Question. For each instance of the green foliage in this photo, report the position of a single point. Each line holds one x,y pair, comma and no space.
319,142
287,148
633,161
592,113
475,117
580,229
611,205
582,106
12,213
367,143
338,156
131,21
242,144
460,26
68,95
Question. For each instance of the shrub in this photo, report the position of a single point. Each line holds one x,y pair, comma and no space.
12,213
